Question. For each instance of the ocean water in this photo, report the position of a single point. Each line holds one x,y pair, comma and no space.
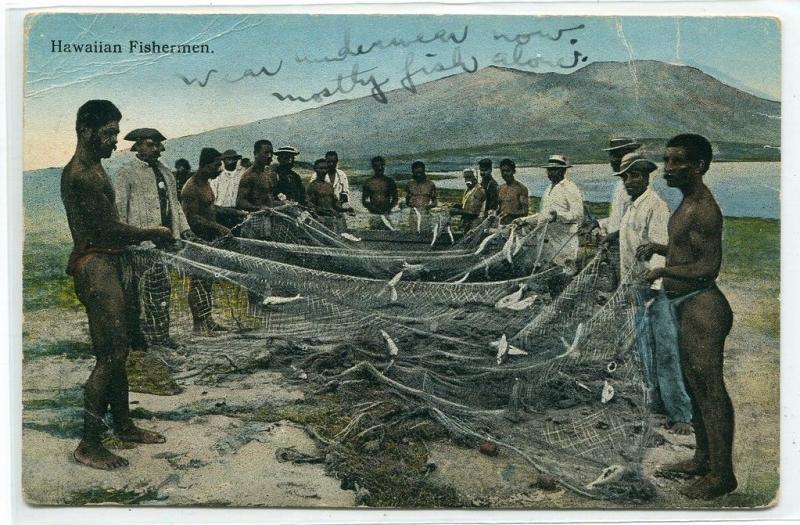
743,189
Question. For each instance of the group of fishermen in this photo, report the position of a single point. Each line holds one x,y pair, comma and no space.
680,256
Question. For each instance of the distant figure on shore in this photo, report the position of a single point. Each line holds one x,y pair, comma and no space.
255,188
198,205
245,163
379,193
147,196
99,237
322,198
183,171
702,317
471,202
513,195
490,187
287,185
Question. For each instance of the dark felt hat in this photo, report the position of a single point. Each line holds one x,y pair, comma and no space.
619,143
230,154
209,155
145,134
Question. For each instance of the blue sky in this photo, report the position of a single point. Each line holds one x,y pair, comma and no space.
150,91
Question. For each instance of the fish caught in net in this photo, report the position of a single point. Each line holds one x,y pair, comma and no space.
482,334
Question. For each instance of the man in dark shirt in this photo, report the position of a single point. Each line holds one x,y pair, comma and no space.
99,237
489,185
287,184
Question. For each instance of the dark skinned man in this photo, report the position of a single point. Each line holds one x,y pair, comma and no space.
255,188
379,193
512,196
99,237
182,172
703,316
489,185
287,184
322,198
198,205
420,195
471,202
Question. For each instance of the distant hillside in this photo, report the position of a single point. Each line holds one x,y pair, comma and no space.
469,113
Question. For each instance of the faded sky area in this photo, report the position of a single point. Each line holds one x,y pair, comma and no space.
183,94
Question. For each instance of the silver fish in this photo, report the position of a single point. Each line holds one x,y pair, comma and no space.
610,474
607,394
350,237
450,234
396,279
393,350
435,233
463,279
522,304
280,300
575,341
485,242
419,220
513,297
386,223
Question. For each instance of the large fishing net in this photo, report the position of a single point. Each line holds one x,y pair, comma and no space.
479,331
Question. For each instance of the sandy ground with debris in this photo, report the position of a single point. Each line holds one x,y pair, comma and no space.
213,459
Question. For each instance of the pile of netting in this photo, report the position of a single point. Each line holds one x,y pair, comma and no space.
480,331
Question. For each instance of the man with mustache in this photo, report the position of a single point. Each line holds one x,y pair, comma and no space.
147,196
702,316
99,238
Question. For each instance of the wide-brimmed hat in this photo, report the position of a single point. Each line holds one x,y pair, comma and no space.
619,143
209,155
635,159
230,154
557,161
291,150
145,134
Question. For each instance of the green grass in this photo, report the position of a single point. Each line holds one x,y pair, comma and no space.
68,349
752,249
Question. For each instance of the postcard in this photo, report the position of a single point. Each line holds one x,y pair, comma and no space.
401,261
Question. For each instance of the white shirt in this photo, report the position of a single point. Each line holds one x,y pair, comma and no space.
226,186
619,203
645,221
137,200
341,184
566,199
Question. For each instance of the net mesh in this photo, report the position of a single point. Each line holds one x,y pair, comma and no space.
480,333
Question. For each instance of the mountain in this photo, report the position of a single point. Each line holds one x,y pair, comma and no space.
495,105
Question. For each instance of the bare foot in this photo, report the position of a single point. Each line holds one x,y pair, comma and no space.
97,456
710,486
687,468
681,429
134,434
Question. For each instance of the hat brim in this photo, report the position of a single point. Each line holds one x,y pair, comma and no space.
630,145
649,163
551,165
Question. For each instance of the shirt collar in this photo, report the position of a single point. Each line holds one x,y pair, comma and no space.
643,197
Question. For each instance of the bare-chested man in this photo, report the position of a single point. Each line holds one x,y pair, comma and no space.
420,191
197,199
322,198
512,196
99,237
379,194
703,315
255,188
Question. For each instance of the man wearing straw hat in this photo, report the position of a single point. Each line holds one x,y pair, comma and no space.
645,222
617,148
287,183
562,206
